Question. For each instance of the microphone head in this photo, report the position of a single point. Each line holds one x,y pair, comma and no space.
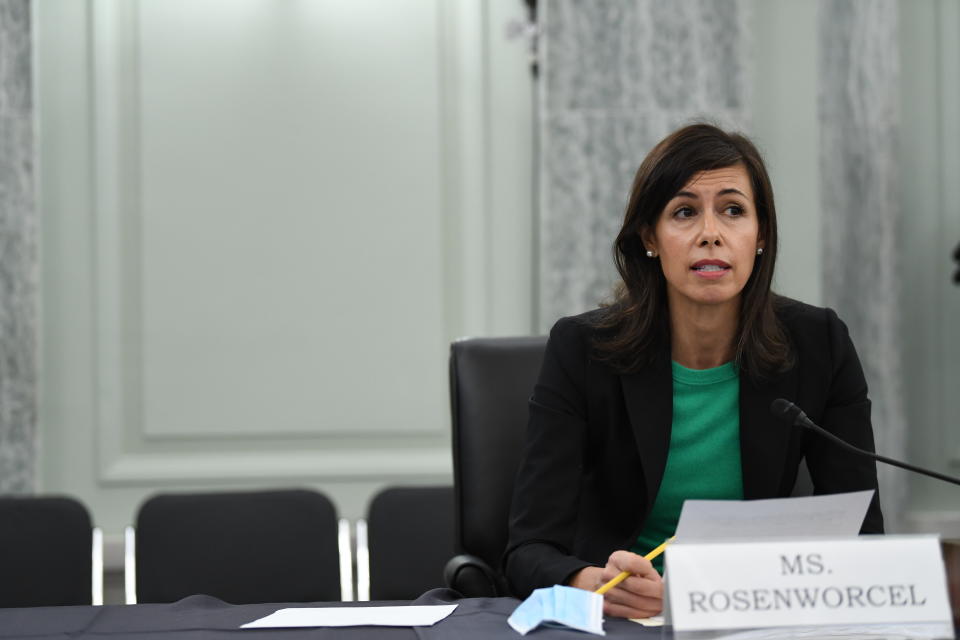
785,410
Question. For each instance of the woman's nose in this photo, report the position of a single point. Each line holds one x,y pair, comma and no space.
709,230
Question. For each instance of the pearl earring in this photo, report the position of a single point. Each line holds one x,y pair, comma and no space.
759,251
651,254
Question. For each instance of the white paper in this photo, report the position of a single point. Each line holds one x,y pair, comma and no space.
402,616
837,515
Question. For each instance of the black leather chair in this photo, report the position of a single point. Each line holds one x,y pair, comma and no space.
491,381
241,547
409,538
46,552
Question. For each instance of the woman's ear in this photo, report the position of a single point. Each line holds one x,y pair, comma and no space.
649,240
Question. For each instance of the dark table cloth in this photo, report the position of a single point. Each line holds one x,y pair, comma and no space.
204,617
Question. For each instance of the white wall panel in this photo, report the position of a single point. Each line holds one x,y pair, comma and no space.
786,130
930,164
276,240
267,201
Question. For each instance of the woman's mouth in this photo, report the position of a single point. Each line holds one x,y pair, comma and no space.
710,268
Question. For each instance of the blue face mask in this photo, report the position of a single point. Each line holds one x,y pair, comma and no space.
559,606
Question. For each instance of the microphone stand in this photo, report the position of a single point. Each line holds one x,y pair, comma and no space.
789,412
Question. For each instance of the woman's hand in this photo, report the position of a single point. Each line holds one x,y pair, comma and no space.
639,596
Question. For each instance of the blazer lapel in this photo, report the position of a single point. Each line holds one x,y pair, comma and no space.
649,399
763,438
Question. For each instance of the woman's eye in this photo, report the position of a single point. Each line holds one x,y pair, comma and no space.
684,212
734,210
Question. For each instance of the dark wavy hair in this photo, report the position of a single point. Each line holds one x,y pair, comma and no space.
635,326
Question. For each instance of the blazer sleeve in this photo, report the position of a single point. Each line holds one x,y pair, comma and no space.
543,516
846,414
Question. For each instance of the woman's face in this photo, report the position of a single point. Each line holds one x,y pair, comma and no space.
707,238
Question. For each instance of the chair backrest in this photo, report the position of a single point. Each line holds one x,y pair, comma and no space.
491,381
45,552
804,483
240,547
410,539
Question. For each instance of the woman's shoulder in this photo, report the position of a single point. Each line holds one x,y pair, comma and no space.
800,315
585,322
582,328
576,336
809,325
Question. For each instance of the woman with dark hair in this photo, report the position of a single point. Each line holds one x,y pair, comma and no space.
664,394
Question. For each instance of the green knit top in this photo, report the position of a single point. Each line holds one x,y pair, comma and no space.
704,457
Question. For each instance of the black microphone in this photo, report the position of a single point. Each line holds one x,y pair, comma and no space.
792,414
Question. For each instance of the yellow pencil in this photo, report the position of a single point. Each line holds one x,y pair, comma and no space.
626,574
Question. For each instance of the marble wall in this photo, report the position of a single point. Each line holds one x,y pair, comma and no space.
859,121
616,77
18,253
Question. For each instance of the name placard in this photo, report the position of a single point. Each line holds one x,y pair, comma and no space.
783,583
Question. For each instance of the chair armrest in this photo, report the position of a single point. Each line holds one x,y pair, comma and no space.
471,577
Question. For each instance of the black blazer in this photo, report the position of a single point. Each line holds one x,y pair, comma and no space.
597,443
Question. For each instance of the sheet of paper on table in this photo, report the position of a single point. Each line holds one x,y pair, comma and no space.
835,515
392,616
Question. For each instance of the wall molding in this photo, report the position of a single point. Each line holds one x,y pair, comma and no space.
365,464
